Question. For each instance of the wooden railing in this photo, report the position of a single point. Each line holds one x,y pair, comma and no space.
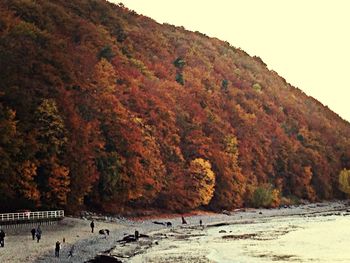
31,216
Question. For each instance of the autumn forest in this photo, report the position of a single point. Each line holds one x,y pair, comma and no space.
105,109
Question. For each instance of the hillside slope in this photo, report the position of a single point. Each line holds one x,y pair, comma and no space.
104,108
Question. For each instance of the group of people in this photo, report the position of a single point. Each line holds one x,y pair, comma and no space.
36,233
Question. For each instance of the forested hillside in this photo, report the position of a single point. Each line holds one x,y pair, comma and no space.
106,109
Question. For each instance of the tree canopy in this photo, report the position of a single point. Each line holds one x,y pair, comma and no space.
102,108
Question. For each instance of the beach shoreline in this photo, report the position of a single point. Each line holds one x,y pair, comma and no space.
190,243
19,246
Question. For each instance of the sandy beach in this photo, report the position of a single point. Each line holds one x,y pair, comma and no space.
158,246
19,246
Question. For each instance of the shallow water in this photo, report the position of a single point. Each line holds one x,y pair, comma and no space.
291,239
276,239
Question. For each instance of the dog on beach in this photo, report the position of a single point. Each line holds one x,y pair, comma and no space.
104,232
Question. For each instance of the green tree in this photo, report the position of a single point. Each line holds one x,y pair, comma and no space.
179,63
110,181
262,196
180,79
224,84
53,176
51,130
107,53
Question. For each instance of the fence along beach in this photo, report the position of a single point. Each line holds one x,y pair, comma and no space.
10,220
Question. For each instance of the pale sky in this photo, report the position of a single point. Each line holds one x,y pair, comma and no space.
306,41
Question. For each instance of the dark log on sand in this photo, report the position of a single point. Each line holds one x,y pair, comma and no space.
132,238
104,259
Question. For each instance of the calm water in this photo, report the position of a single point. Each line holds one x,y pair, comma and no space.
275,239
298,239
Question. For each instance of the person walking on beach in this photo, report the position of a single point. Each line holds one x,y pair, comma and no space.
71,251
38,234
33,231
183,220
57,249
2,238
92,225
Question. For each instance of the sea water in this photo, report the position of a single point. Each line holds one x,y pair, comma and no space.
258,240
282,239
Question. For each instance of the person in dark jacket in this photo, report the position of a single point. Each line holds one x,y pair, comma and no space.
92,225
2,238
57,249
33,233
38,233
